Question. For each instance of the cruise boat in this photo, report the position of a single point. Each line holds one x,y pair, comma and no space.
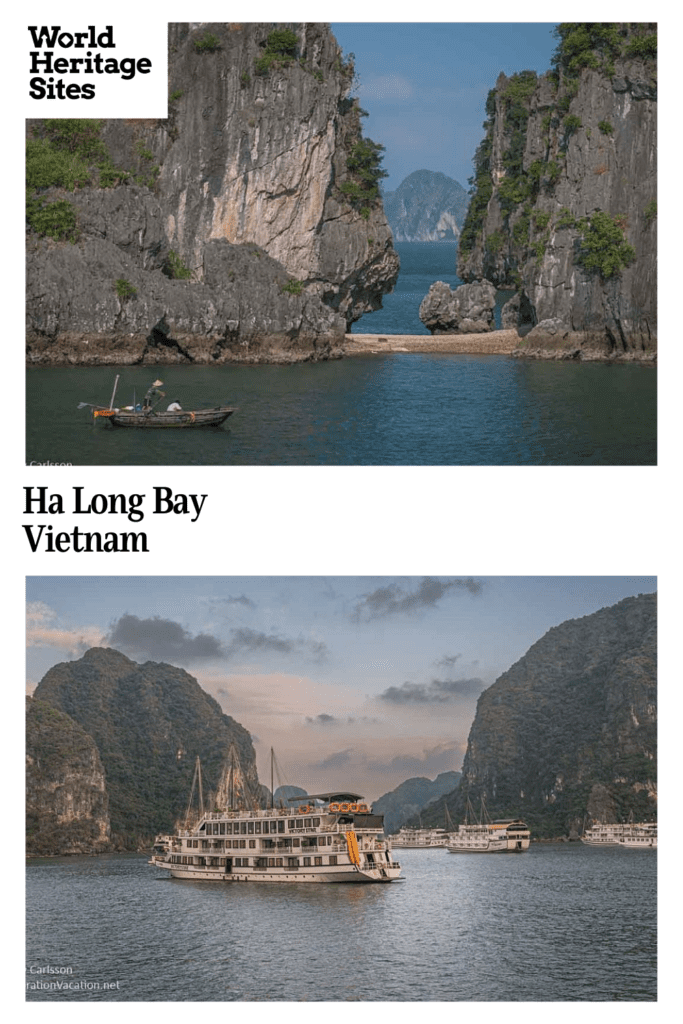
419,838
328,837
637,835
509,836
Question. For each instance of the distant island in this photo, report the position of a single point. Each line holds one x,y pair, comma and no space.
427,206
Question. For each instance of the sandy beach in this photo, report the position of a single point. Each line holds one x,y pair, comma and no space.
490,343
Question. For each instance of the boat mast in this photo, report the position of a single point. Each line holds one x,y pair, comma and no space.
272,791
196,783
116,384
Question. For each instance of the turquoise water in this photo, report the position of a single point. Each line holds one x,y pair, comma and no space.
422,263
563,922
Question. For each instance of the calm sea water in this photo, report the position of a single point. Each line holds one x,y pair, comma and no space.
401,409
563,922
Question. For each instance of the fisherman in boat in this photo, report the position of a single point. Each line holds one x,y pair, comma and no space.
153,395
175,406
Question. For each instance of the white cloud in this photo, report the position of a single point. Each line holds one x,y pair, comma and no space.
43,629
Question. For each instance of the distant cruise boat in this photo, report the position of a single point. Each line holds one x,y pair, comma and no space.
485,836
419,838
637,835
510,836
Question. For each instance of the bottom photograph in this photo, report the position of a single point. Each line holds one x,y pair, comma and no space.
250,789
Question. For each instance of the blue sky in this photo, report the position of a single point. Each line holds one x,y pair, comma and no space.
424,86
356,681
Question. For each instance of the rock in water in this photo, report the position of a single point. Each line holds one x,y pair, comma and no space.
467,309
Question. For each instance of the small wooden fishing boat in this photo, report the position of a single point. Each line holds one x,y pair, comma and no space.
146,414
151,418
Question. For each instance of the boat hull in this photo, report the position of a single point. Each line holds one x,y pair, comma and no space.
168,420
301,876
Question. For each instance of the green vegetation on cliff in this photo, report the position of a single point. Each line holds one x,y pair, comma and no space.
364,163
603,246
66,802
598,44
67,154
570,731
149,722
279,51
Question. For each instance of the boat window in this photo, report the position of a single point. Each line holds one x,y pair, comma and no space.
280,825
257,828
315,822
250,828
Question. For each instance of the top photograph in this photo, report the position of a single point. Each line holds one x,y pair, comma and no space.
353,244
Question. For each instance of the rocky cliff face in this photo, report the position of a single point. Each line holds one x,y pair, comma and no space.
255,230
149,722
570,731
426,207
564,205
66,800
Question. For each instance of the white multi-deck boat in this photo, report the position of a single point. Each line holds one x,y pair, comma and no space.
485,836
419,838
511,836
328,837
637,835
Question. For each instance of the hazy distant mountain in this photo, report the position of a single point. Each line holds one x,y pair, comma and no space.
426,207
283,794
411,797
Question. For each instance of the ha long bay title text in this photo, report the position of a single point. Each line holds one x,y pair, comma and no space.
44,537
74,54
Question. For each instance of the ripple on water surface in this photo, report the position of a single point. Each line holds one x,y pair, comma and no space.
562,922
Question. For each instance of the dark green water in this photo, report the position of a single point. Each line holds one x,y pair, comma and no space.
402,409
563,922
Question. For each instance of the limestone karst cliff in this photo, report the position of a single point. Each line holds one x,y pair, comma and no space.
67,806
569,732
245,226
149,723
564,196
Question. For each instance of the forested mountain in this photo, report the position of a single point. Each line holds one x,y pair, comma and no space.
149,723
569,733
